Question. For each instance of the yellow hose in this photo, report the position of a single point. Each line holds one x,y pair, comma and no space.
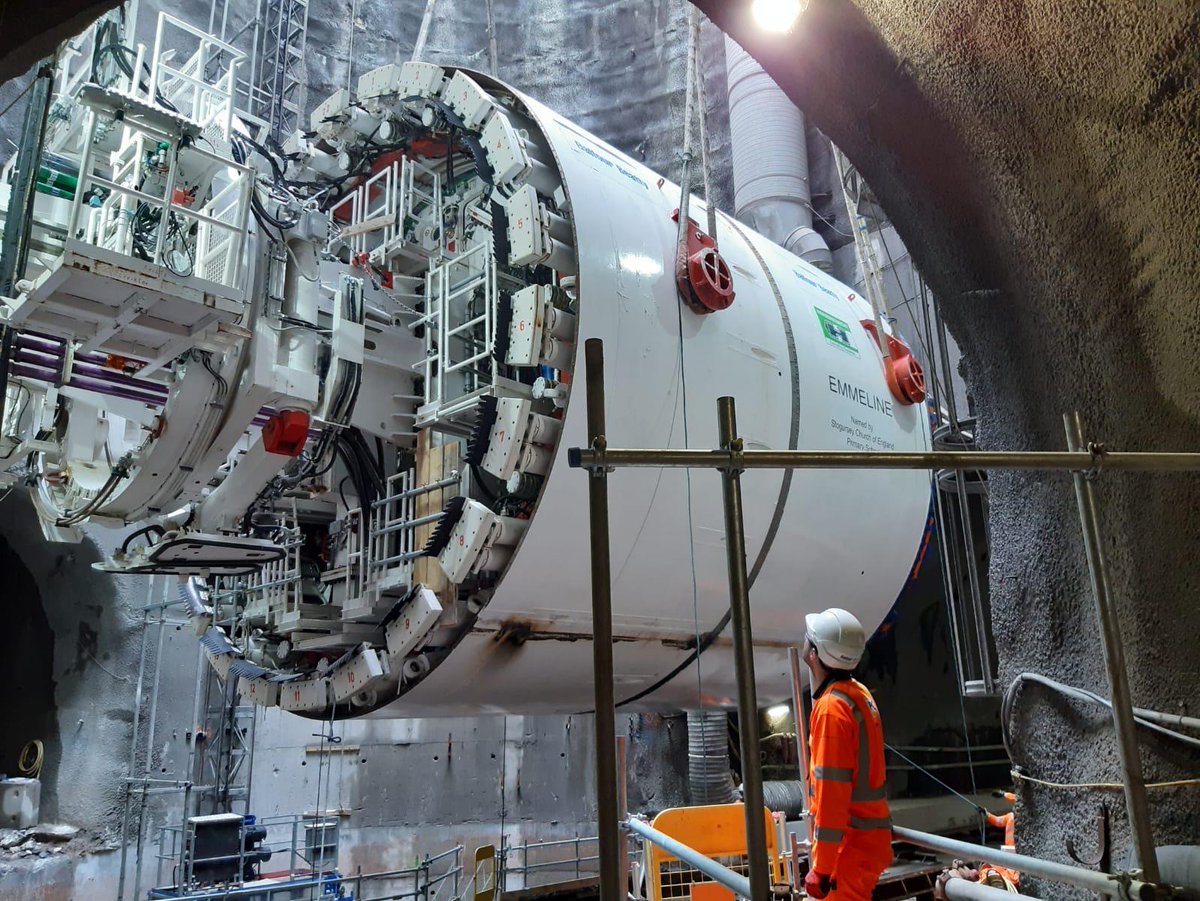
30,762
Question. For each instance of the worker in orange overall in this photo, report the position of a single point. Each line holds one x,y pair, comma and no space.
852,828
994,875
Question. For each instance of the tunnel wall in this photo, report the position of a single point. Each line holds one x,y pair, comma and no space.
1041,161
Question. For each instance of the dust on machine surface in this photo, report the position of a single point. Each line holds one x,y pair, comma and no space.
332,378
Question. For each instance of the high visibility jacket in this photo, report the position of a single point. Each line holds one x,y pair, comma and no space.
847,773
1007,822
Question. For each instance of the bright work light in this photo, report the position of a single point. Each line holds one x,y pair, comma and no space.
776,16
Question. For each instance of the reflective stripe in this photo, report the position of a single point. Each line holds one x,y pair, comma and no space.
863,791
833,774
868,795
870,825
833,836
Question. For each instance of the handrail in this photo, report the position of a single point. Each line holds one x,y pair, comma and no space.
1105,884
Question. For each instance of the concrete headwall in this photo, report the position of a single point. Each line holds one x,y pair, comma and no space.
90,666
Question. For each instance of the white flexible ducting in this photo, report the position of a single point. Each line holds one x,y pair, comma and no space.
1179,865
1149,719
770,159
709,779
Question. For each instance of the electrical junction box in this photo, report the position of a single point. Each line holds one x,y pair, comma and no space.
20,803
412,621
526,239
504,149
420,80
525,328
468,99
313,226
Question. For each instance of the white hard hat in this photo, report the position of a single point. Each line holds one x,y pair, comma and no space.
838,637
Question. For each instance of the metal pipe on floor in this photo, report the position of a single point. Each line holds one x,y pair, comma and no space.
966,890
1114,661
1109,886
719,874
743,648
602,645
681,458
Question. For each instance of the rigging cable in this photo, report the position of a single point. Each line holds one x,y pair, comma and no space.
702,118
685,188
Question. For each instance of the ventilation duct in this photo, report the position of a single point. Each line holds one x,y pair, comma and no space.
770,159
1180,865
785,796
709,779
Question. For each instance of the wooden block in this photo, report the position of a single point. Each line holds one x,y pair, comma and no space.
434,463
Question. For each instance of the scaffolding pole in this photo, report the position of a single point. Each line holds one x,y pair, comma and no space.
1089,461
743,652
602,644
731,459
801,716
1114,661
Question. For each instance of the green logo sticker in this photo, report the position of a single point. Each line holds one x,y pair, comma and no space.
836,331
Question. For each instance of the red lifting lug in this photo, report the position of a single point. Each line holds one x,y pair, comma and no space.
286,433
903,374
704,280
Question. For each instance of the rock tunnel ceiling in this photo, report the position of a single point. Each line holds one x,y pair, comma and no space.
1041,161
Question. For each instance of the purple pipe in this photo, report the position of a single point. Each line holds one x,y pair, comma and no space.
41,345
37,358
111,390
32,371
104,374
39,338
